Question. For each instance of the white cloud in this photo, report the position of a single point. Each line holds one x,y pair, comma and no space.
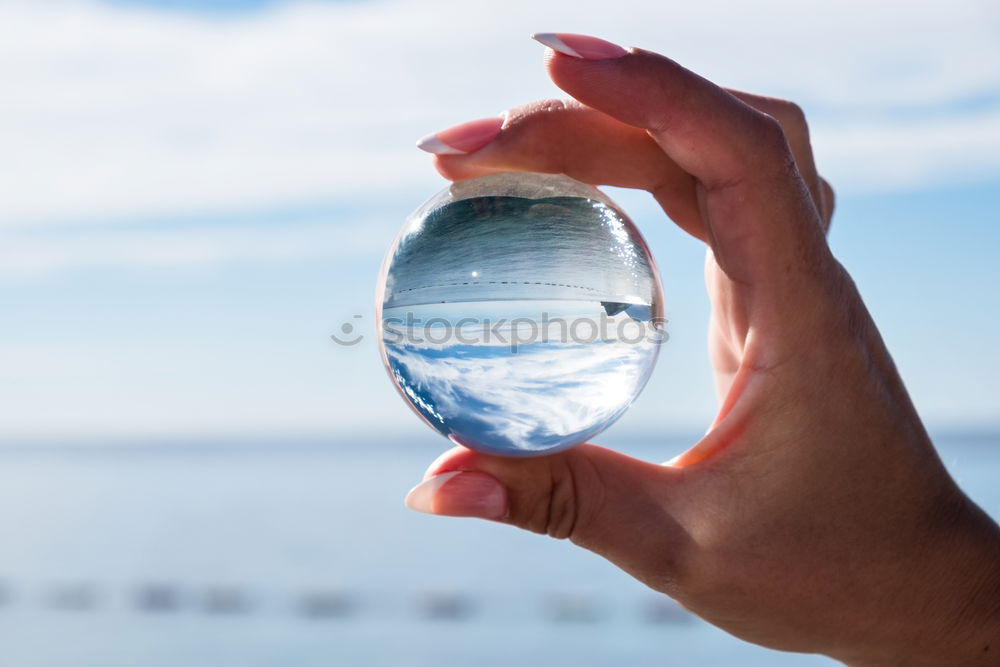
25,255
121,115
541,395
112,113
907,153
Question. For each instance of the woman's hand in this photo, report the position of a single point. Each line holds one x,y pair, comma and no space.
815,514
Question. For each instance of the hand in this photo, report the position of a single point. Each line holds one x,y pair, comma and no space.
815,514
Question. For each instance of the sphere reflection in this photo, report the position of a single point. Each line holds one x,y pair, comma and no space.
519,314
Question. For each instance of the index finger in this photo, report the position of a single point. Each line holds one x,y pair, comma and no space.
757,210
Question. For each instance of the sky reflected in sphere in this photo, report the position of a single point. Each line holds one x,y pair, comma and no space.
520,314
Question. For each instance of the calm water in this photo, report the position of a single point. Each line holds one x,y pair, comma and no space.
288,553
521,322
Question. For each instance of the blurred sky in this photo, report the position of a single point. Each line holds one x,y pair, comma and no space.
194,195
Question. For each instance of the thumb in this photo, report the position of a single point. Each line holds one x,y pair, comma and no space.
600,499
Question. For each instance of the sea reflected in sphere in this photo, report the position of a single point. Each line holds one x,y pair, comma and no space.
519,314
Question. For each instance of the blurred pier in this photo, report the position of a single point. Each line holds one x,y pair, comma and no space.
334,604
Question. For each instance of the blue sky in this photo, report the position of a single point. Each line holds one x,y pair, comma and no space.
195,200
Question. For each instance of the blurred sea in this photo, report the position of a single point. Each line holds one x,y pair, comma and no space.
300,553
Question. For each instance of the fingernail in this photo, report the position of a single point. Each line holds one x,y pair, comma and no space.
460,493
461,139
436,463
584,47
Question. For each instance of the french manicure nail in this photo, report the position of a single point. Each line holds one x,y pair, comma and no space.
584,47
460,493
462,139
436,464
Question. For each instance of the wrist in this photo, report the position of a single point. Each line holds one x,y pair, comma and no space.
950,613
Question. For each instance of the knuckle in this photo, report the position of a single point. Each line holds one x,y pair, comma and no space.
770,130
793,114
792,119
539,109
660,122
773,145
564,512
537,131
563,504
786,116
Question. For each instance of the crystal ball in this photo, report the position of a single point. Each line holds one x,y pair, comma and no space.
519,314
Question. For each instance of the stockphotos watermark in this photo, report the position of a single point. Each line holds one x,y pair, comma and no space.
511,333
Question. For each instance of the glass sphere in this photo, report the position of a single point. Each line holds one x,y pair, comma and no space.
519,314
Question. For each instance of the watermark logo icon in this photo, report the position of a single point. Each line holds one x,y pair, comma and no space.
347,337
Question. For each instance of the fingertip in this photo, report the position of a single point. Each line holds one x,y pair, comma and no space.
443,166
460,493
421,497
462,139
472,494
462,167
582,47
451,167
456,459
